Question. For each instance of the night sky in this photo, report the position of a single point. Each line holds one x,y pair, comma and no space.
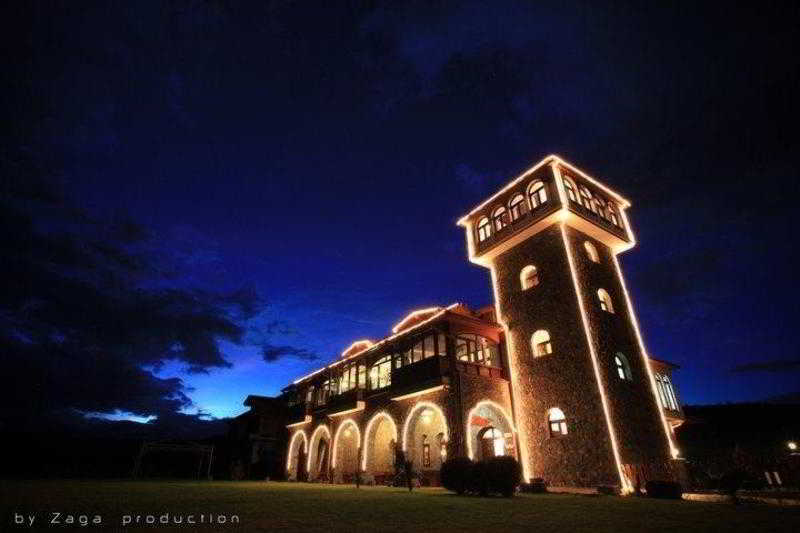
205,200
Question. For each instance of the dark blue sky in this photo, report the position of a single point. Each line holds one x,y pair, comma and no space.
320,154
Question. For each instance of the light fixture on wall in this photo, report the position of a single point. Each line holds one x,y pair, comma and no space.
792,445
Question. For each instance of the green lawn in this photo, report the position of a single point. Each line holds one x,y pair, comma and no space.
289,506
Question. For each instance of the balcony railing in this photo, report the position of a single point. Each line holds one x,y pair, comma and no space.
297,413
477,369
520,223
598,219
344,401
420,375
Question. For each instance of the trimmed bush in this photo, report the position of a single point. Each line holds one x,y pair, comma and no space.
479,479
668,490
503,475
456,473
536,486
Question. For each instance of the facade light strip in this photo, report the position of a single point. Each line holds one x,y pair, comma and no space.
321,427
359,407
376,416
305,421
418,393
497,407
422,405
301,433
344,424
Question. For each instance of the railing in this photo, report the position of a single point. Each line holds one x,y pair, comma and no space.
346,400
515,226
598,219
477,369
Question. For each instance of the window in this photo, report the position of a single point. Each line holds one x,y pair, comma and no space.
586,198
569,186
623,368
326,390
599,206
484,229
423,349
591,251
477,349
537,194
493,444
380,374
540,342
352,377
612,214
426,452
605,301
557,421
310,395
500,218
666,392
517,206
529,277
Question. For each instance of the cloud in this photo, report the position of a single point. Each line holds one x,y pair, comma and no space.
777,365
272,353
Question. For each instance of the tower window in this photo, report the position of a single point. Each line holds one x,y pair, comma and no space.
591,251
537,194
586,199
529,277
605,301
484,229
623,368
517,207
612,214
557,422
540,343
500,218
569,186
666,392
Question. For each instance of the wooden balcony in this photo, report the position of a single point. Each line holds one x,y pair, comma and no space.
420,376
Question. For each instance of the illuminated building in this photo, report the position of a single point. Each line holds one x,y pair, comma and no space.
555,373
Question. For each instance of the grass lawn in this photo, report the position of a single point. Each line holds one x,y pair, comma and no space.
290,506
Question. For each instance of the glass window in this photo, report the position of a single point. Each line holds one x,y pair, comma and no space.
477,349
500,218
605,301
429,347
537,194
540,343
569,186
623,368
586,198
310,395
441,344
380,374
612,213
529,277
666,392
416,354
517,206
557,421
494,444
591,251
484,229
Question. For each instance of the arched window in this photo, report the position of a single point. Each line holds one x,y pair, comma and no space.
612,213
569,186
599,206
529,277
537,194
493,444
623,368
605,301
484,229
540,343
477,349
380,374
557,421
517,206
591,251
586,198
500,218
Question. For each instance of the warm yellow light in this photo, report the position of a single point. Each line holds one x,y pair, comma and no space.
357,347
498,408
346,427
792,445
412,315
306,420
320,428
378,415
625,484
423,405
418,393
300,433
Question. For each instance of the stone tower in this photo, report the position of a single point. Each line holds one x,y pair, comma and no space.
584,396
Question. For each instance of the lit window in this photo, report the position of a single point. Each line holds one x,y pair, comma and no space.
623,368
493,444
517,206
570,188
529,277
477,349
599,206
500,218
380,374
666,392
591,251
557,421
586,198
612,214
540,342
310,395
537,194
605,301
484,229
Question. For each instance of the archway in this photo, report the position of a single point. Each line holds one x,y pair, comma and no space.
490,432
344,459
319,454
380,443
296,457
425,439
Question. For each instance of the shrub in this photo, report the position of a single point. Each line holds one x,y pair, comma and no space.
668,490
536,486
455,474
732,481
479,479
503,475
